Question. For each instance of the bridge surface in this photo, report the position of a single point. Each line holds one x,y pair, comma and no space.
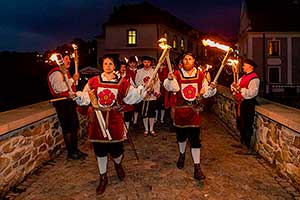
155,175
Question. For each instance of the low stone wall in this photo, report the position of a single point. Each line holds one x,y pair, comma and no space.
276,132
29,136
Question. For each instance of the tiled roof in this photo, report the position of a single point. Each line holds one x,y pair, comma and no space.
146,13
274,15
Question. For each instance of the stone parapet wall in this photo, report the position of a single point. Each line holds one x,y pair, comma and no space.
276,132
25,146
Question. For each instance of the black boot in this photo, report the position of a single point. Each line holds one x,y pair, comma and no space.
180,162
120,171
102,184
72,154
82,154
198,174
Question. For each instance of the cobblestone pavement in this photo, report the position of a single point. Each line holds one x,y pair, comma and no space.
155,176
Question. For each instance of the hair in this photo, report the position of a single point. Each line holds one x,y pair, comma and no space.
190,54
250,62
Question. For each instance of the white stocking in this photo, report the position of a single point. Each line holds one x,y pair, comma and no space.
196,155
102,164
151,123
182,146
118,159
145,121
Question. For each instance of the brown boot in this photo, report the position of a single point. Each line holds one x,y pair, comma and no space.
198,174
102,184
120,171
180,162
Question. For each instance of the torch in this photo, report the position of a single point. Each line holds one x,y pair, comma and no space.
228,50
234,64
57,57
166,48
100,118
76,59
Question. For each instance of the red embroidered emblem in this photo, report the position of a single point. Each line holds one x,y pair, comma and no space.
189,92
106,97
146,79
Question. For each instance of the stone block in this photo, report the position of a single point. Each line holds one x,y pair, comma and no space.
296,142
5,162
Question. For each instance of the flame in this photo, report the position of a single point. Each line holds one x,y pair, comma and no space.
53,57
74,46
56,57
126,59
208,67
163,43
211,43
232,62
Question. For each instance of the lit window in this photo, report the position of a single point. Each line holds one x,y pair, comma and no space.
175,42
166,35
274,74
182,44
274,48
131,36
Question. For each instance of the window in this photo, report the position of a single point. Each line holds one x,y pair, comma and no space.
274,74
274,48
175,42
182,44
131,37
165,35
190,46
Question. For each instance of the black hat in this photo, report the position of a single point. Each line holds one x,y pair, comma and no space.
250,62
132,59
147,58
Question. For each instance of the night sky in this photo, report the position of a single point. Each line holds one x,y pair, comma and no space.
39,25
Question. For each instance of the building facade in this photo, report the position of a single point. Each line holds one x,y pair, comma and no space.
272,40
133,30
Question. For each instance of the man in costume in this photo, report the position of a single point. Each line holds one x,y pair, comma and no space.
106,93
245,92
66,109
131,72
189,85
148,106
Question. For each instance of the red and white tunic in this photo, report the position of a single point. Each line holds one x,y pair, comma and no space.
142,77
57,84
110,95
188,88
249,84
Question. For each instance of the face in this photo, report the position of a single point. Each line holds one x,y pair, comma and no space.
147,64
108,65
122,68
132,65
247,68
67,61
188,62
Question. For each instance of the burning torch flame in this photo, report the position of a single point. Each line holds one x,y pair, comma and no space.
163,43
56,57
232,62
126,59
74,46
211,43
208,67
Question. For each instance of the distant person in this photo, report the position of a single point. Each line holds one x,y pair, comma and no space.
131,72
106,93
189,85
245,92
66,109
127,109
148,106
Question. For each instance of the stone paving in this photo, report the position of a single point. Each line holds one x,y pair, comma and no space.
155,176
